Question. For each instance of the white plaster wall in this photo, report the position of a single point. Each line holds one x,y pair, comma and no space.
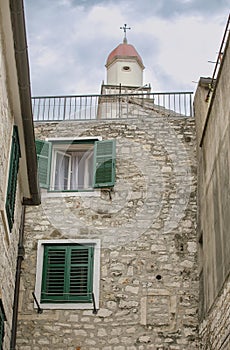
117,75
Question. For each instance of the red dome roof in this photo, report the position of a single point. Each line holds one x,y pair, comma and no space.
124,50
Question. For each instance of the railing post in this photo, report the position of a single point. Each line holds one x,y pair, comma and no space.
64,108
39,108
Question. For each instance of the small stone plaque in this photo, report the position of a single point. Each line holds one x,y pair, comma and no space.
158,309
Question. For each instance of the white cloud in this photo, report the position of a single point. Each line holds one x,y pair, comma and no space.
184,47
69,45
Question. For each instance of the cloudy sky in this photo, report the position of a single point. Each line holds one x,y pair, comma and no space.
69,41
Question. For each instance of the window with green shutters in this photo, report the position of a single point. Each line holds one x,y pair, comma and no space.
76,166
12,177
2,320
67,273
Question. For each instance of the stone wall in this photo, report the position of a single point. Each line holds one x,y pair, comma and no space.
214,330
8,241
147,228
213,127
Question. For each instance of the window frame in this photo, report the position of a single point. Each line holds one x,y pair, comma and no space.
96,274
106,170
59,150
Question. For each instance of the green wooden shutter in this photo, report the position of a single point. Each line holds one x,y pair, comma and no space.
81,274
2,328
43,149
12,178
104,163
54,274
67,274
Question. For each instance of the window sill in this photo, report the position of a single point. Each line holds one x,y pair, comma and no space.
66,306
83,193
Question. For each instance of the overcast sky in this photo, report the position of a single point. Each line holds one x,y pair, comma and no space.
70,40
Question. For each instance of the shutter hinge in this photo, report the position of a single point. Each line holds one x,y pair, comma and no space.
94,305
40,311
108,190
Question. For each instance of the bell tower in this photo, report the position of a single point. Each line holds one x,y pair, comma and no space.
124,65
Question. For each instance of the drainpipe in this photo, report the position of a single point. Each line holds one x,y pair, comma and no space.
22,64
21,252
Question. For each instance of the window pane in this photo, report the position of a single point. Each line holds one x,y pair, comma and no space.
62,171
73,167
82,170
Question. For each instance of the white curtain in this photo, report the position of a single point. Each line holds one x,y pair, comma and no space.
73,170
62,174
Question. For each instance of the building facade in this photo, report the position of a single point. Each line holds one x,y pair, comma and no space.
127,250
212,114
18,167
111,252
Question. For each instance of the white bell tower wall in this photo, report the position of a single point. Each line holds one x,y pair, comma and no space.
126,72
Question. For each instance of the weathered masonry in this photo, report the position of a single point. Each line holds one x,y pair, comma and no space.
212,114
111,252
142,230
18,164
109,259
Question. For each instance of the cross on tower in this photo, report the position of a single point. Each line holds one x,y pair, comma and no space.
125,29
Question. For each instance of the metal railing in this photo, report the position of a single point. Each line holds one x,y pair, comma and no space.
112,106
